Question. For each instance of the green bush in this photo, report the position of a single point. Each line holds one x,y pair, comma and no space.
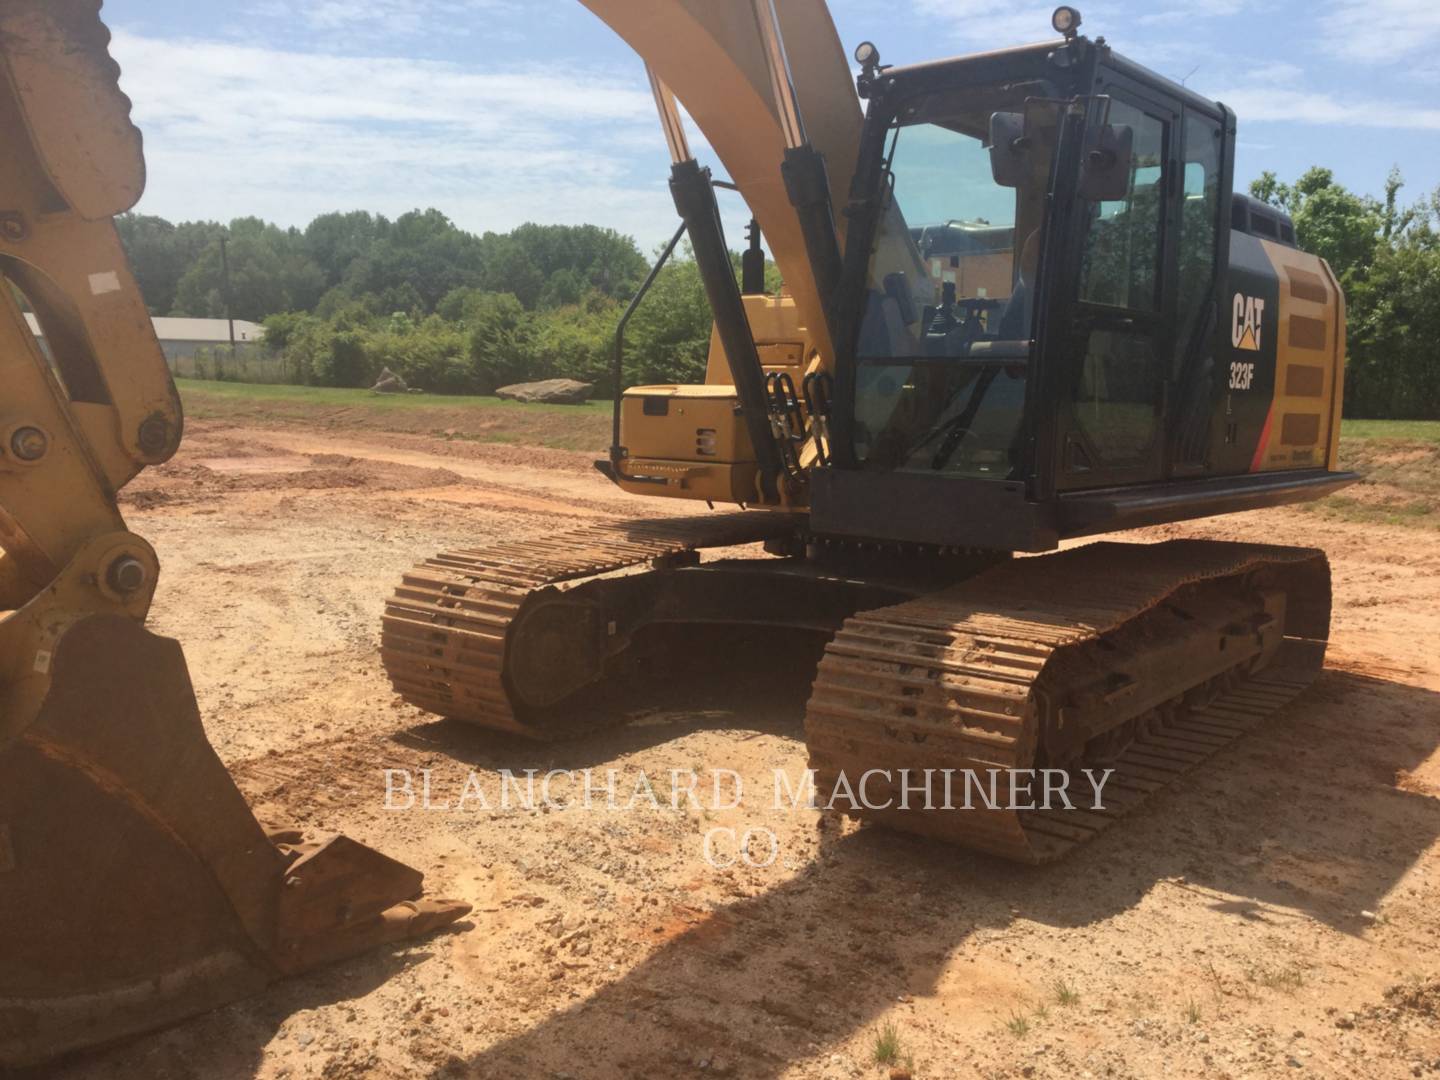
1388,261
502,341
344,363
431,356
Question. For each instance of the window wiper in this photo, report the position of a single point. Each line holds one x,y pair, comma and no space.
959,427
964,417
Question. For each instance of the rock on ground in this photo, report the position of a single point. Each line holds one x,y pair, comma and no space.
389,383
552,391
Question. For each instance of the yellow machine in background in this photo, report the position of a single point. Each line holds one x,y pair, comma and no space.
136,886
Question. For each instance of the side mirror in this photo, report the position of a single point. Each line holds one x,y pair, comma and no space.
1105,174
1009,148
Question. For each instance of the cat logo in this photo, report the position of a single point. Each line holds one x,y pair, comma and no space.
1245,322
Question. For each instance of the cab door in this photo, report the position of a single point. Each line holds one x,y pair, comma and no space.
1121,329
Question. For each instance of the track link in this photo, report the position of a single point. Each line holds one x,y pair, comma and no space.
448,642
968,678
965,679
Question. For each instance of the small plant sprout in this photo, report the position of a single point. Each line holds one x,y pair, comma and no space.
887,1045
1065,992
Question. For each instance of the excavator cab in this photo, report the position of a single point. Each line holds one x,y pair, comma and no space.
1025,306
1033,324
945,340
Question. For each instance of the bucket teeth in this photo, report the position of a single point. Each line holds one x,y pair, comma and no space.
339,899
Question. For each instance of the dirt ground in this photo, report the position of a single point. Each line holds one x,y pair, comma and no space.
1275,914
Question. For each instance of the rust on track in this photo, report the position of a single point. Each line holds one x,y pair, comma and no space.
961,680
967,678
447,638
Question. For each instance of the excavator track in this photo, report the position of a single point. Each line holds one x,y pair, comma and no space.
1142,659
968,678
453,637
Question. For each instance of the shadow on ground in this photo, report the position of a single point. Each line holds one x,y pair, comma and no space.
245,1028
1311,817
1306,818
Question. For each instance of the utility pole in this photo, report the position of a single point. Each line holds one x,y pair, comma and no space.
225,285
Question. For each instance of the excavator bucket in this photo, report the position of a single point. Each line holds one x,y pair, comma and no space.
136,887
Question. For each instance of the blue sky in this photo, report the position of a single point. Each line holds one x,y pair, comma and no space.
504,111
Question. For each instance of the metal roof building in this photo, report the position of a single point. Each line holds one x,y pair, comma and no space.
182,338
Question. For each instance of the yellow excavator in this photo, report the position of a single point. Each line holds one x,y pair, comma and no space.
1023,304
136,887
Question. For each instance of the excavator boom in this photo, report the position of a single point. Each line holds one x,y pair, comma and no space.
713,57
136,887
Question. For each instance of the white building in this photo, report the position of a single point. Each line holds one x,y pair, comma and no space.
182,338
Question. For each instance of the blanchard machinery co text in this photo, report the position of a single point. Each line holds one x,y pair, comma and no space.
725,789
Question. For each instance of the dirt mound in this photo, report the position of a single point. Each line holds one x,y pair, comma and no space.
1422,998
213,477
1401,482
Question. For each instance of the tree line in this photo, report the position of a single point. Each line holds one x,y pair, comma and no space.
454,312
447,310
1387,258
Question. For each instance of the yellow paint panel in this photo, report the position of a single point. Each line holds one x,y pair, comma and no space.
779,335
684,423
1309,363
687,480
1305,380
1300,429
781,353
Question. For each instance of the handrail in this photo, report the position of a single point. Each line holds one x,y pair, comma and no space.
619,364
616,450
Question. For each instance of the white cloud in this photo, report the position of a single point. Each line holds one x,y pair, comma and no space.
378,20
1264,90
1381,31
1277,91
1184,16
1267,102
990,23
234,129
994,24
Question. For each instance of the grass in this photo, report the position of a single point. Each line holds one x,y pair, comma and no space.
1286,980
1065,993
886,1050
205,391
1400,463
1217,982
1018,1025
479,419
1192,1012
328,396
1407,430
